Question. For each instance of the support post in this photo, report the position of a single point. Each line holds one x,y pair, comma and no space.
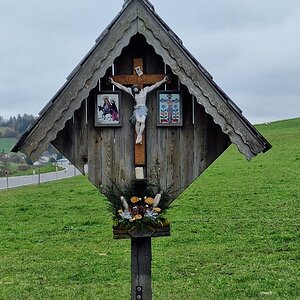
6,174
39,176
141,257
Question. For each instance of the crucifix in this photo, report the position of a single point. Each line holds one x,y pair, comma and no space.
137,81
141,243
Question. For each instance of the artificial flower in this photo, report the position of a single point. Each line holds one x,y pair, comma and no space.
135,199
156,200
138,217
149,200
124,203
126,215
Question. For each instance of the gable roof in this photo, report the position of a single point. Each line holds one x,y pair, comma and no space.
139,16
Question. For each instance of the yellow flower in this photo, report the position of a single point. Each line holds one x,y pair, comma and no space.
134,199
149,200
157,209
120,211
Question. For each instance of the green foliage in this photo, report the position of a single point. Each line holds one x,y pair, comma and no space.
235,234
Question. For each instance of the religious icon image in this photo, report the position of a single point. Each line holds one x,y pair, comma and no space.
107,109
169,109
140,111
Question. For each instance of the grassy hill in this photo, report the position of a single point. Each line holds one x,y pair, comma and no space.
7,144
235,234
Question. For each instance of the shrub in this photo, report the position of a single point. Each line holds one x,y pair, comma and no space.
23,167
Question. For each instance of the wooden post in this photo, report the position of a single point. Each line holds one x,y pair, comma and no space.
6,174
141,257
39,176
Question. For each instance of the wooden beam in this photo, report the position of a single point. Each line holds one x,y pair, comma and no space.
140,80
140,152
141,258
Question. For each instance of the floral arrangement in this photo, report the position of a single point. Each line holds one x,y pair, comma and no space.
137,205
139,208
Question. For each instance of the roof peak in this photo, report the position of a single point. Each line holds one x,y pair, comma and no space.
126,2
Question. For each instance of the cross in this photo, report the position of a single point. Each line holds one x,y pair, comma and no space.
141,79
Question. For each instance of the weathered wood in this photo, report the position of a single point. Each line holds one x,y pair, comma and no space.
137,18
201,85
79,85
175,155
187,141
200,129
159,231
141,258
94,147
173,159
80,138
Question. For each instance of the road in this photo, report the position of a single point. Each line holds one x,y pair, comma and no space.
17,181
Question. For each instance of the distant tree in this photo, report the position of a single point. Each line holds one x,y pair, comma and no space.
17,125
9,132
23,123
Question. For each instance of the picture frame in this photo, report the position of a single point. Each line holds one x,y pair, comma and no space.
169,108
107,109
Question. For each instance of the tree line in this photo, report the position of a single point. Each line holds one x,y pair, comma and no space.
14,127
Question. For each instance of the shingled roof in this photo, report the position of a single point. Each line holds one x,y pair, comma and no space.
139,16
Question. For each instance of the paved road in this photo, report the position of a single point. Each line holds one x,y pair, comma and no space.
17,181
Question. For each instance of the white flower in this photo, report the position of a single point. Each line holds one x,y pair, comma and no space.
125,215
156,200
151,214
124,203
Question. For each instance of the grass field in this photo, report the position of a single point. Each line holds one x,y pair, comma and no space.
7,144
13,168
235,234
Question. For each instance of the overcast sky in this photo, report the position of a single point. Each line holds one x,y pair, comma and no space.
250,47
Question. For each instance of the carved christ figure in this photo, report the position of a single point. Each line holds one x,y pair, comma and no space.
140,111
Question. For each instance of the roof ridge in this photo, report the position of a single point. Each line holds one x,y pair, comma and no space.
147,2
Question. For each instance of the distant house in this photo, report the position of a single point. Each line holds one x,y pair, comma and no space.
63,162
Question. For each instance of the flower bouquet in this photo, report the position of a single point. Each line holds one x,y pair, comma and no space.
138,211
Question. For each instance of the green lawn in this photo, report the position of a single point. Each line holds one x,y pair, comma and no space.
13,168
235,234
7,144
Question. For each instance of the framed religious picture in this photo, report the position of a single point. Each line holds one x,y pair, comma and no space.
107,110
169,108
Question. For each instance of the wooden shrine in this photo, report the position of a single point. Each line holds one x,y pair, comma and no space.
190,122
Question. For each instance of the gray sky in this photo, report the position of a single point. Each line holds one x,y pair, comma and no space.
250,47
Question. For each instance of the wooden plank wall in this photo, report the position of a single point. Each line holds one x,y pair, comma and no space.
175,155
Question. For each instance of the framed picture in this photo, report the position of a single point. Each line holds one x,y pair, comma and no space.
107,110
169,108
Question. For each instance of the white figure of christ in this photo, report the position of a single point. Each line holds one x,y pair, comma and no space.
140,111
